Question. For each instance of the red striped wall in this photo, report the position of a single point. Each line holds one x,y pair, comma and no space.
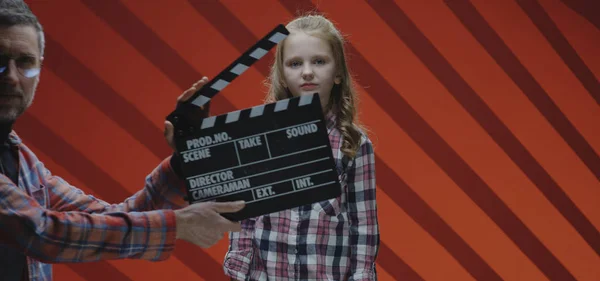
485,117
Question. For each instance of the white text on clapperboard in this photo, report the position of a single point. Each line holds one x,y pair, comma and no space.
195,146
224,182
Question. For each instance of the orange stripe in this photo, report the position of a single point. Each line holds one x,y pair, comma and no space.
232,29
111,58
384,275
390,261
64,272
406,66
202,46
429,181
92,141
480,71
559,43
89,271
412,243
522,77
47,158
585,38
145,41
157,52
567,171
587,9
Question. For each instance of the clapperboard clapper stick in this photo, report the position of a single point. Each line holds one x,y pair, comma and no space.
274,156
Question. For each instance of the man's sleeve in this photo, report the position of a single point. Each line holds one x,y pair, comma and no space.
76,236
163,189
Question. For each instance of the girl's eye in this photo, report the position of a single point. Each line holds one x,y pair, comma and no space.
319,61
294,64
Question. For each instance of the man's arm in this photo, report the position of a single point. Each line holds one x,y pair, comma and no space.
53,236
362,209
163,190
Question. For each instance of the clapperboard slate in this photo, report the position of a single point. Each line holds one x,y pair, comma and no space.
274,156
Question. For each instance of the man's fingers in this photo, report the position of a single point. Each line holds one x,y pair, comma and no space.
232,226
190,92
228,207
186,95
168,129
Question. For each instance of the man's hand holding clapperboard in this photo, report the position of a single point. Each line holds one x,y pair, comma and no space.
274,156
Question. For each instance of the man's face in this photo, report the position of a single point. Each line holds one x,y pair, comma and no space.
20,62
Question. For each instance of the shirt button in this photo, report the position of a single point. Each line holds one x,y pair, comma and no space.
295,251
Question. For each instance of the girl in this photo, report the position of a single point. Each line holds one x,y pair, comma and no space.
336,239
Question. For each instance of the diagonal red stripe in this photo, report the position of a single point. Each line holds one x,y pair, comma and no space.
562,47
101,95
144,41
404,196
587,9
66,272
449,160
152,47
30,129
232,29
395,266
89,271
494,45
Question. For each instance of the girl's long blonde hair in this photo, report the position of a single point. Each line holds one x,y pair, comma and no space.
342,101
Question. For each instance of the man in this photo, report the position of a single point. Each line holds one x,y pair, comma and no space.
45,220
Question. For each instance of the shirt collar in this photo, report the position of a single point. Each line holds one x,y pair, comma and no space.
14,139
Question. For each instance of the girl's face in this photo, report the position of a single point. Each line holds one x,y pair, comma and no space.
308,66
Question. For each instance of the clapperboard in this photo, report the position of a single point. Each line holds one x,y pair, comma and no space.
274,156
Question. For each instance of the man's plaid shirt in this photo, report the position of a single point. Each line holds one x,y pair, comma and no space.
54,222
336,239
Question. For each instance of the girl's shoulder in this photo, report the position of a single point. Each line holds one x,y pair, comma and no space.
364,137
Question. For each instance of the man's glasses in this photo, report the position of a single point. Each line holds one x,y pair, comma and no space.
27,66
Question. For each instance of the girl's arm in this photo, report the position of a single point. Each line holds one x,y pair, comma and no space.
362,211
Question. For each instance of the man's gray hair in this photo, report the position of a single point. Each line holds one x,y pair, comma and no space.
16,12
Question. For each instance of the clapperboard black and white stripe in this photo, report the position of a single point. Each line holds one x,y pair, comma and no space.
183,115
273,156
238,67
